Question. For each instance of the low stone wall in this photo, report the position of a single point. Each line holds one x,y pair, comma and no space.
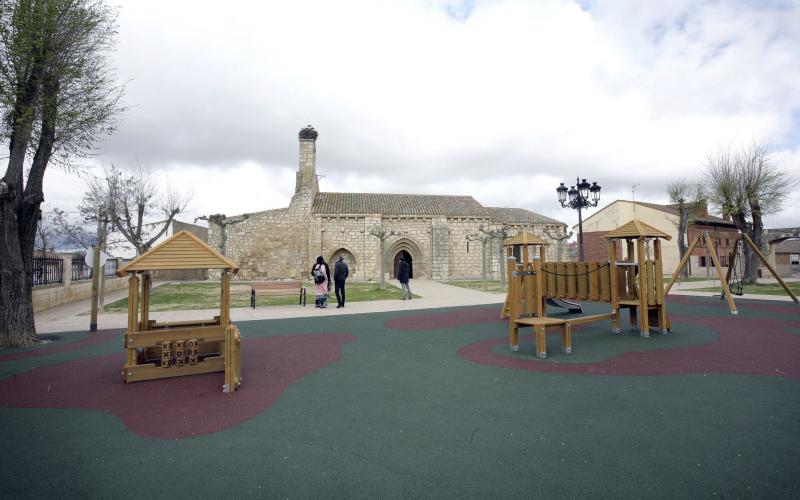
51,296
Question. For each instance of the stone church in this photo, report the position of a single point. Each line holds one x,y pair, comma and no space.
441,236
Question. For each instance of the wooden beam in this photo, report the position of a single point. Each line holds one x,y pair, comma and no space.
767,264
682,264
147,282
725,289
644,318
133,314
612,265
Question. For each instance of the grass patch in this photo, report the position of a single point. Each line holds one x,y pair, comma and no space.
189,296
490,285
691,279
759,289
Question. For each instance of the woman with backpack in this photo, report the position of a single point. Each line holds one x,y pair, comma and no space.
321,274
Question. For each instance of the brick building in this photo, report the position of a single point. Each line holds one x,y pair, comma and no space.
433,231
664,217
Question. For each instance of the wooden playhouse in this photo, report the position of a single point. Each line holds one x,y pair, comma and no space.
173,349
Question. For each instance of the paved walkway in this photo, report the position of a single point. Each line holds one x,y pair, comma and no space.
74,317
433,294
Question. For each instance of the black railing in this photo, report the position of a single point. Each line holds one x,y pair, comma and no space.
111,267
80,271
47,271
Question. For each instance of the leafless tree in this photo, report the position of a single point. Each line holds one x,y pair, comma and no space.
748,184
127,200
686,195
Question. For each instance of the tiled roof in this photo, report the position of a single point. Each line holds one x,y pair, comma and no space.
693,215
788,246
398,204
519,216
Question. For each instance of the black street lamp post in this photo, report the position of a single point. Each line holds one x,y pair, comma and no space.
586,195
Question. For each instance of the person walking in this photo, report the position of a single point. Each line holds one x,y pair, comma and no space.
322,282
340,274
403,275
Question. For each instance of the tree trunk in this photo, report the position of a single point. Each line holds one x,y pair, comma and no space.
683,221
749,276
16,301
757,235
19,213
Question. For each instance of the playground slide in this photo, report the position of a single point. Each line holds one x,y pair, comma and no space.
565,304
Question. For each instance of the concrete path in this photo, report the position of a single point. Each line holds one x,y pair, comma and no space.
433,294
74,317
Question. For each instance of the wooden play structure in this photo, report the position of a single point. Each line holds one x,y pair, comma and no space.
634,282
159,350
730,280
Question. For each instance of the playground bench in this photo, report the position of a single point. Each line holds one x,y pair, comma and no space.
277,288
541,323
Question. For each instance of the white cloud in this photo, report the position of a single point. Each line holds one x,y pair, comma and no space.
498,99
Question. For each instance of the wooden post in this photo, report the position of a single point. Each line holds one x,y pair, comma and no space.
723,282
225,299
514,282
663,323
133,316
96,272
644,319
538,268
612,264
732,261
146,285
771,269
681,264
541,341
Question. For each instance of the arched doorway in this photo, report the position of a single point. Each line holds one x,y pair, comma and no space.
348,258
407,257
413,255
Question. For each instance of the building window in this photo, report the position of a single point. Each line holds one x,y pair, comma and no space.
702,261
794,259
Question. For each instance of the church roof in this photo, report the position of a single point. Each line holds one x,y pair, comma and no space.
398,204
519,216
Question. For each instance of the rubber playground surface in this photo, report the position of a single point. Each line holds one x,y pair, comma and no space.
425,403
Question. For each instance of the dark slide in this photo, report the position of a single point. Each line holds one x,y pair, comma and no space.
565,304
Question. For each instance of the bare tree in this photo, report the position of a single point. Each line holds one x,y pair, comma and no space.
686,195
128,199
57,98
747,184
381,233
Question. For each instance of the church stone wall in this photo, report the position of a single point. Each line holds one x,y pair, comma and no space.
284,243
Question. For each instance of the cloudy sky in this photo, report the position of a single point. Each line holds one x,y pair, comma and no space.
501,100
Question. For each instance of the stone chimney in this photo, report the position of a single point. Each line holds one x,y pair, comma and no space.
307,173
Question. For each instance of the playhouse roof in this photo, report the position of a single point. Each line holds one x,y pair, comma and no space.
182,250
636,229
524,238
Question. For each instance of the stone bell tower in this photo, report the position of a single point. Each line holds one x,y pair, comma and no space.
306,185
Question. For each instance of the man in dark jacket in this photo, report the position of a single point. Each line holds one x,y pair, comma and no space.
403,274
340,273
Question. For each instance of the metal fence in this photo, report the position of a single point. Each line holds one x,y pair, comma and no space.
47,271
80,271
111,267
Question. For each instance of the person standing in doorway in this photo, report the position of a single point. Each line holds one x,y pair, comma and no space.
322,279
340,273
403,275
